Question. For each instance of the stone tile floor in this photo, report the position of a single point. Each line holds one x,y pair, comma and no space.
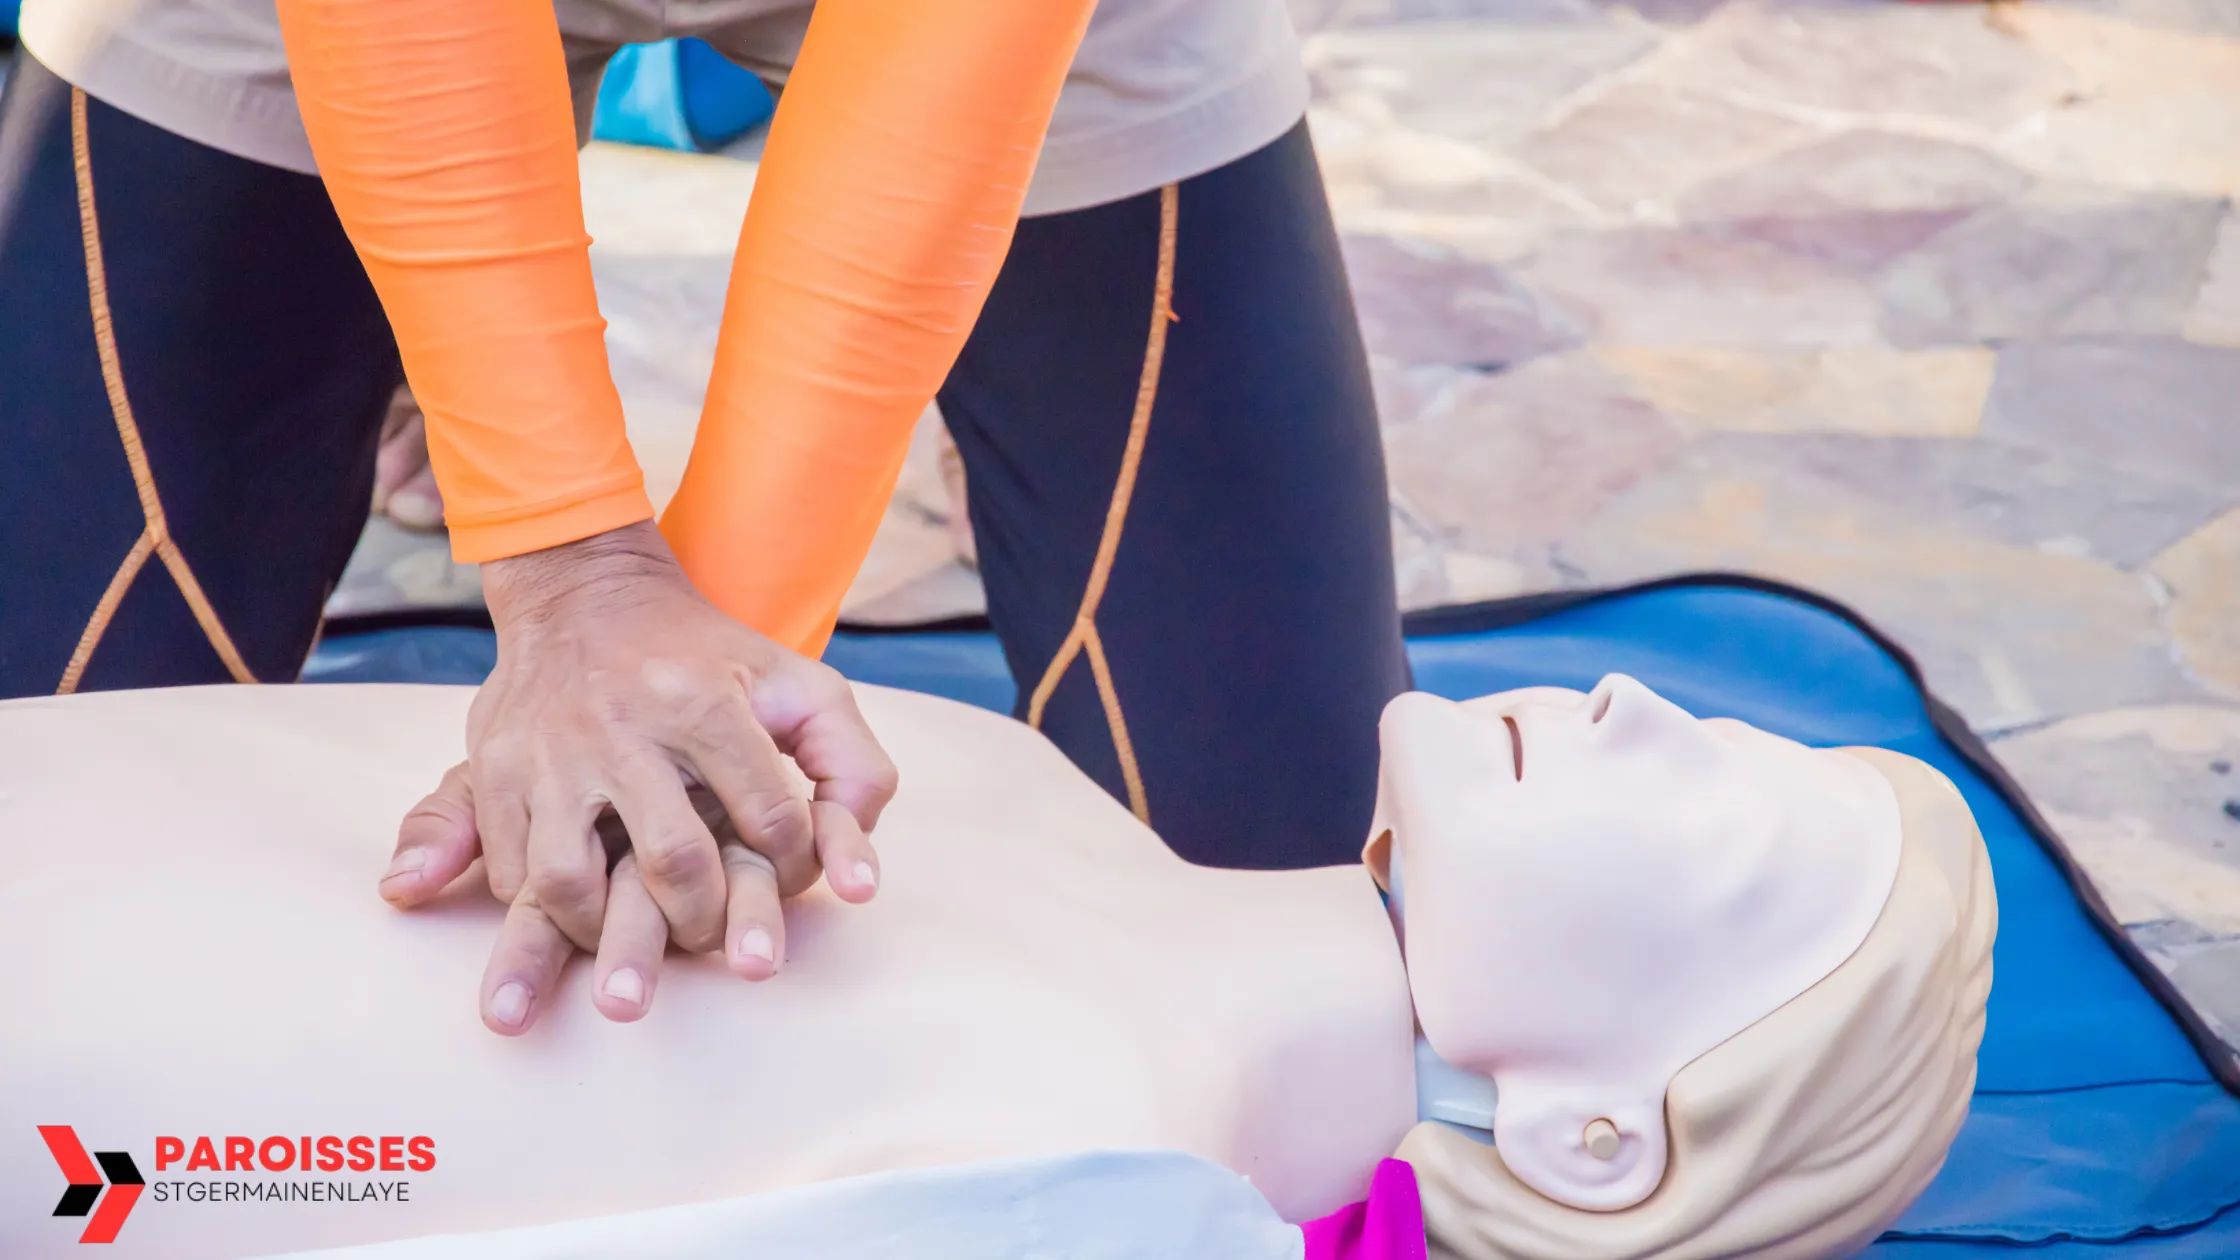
1931,307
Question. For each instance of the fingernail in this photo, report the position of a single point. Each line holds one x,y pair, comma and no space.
624,984
865,876
510,1004
407,862
755,943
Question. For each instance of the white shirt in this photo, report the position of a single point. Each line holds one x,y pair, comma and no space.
1161,90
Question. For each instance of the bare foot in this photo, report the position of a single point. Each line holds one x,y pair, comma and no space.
404,487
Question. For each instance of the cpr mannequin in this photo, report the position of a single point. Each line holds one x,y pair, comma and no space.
1729,989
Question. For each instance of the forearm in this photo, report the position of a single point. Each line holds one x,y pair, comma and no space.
888,193
445,134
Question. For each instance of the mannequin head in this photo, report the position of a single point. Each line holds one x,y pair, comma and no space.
1721,981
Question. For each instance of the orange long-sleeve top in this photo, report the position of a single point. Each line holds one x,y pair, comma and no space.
890,185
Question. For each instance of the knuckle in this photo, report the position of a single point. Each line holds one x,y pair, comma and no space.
741,862
426,824
692,693
779,821
440,808
570,885
884,778
715,719
667,679
497,755
829,688
504,833
674,856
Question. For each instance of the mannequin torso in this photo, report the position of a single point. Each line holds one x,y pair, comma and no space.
1037,974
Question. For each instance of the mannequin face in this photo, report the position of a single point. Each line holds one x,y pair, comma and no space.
1596,889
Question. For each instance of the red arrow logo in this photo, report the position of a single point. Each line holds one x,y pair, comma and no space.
86,1182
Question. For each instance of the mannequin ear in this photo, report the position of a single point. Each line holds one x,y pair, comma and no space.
1377,856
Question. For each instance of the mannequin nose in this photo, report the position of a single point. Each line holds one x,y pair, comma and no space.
1622,713
1619,700
1605,697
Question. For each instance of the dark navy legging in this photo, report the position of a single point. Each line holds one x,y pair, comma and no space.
1247,629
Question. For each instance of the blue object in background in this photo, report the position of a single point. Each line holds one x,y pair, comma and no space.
417,654
678,94
2096,1129
8,11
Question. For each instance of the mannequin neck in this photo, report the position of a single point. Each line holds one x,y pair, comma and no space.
1461,1100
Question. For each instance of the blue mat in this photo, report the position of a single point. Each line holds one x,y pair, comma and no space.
2096,1128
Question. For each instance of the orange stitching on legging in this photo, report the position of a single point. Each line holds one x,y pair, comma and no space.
157,536
104,610
1122,746
1084,631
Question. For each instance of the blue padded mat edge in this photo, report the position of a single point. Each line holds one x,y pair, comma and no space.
2096,1126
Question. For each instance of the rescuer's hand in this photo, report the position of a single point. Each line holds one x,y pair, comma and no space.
618,686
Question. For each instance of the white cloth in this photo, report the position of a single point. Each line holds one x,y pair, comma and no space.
1162,89
1150,1205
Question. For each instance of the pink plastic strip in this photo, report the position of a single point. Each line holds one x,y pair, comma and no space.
1388,1226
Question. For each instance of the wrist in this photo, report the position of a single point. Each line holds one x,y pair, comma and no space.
540,585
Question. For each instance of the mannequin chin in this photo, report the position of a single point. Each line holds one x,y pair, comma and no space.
1687,954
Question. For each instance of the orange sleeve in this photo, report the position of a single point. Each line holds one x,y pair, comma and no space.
444,131
889,189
